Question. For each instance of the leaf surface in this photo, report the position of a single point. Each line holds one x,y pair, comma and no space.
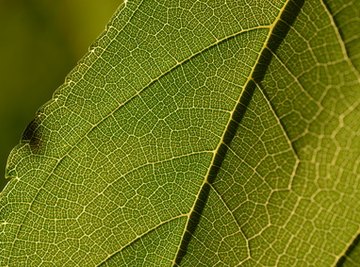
215,133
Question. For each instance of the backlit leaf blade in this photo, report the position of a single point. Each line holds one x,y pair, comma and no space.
217,133
290,176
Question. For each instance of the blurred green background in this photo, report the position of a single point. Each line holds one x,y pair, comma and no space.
40,42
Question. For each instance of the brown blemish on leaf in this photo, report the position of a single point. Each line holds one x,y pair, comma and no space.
33,135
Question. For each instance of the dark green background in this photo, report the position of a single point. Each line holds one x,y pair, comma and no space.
41,41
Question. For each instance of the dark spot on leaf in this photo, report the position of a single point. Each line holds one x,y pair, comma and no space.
32,135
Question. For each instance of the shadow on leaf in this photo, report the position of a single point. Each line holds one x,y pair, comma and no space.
280,31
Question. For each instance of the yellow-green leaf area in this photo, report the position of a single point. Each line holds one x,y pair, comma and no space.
196,133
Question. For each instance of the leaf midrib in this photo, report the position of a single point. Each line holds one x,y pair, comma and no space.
215,152
271,28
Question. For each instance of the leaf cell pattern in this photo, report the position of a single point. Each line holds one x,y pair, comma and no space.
196,133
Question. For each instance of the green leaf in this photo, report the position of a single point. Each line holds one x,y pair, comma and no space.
214,133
